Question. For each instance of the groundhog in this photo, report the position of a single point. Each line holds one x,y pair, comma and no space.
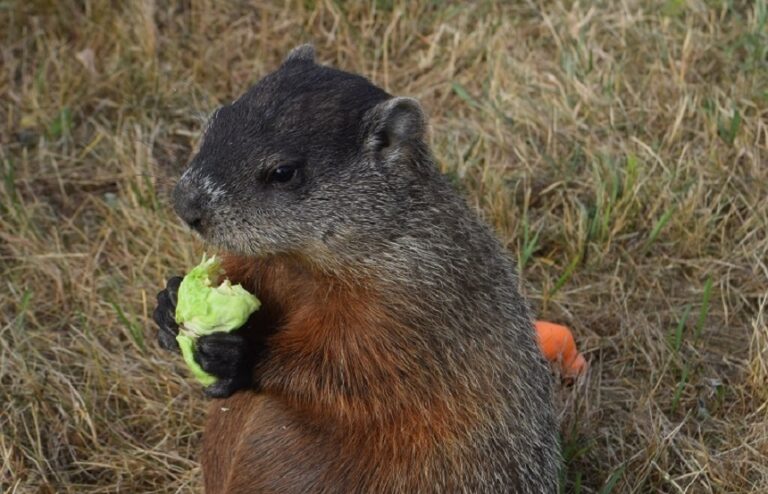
393,352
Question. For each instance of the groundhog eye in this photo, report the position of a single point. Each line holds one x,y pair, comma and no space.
282,174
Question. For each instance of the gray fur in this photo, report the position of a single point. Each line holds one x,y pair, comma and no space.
369,198
302,53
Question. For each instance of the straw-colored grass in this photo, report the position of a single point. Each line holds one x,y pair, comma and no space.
619,148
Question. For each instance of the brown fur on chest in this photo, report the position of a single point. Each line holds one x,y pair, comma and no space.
310,308
343,396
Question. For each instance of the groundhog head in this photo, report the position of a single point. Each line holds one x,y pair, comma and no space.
308,159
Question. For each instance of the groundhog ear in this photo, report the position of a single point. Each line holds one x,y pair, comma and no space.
395,123
302,53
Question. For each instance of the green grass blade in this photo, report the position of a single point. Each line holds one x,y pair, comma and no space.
677,336
134,330
563,279
660,224
680,388
23,306
610,484
462,93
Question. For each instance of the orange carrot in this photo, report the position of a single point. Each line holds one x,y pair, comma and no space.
558,346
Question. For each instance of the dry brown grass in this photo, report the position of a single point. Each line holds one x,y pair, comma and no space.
618,147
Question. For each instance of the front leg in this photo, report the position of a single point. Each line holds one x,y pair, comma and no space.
234,357
230,358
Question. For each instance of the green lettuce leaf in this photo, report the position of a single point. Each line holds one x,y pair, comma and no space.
187,345
204,309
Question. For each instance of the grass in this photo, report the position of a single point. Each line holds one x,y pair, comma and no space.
620,150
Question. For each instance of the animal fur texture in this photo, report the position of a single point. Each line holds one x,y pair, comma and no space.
394,352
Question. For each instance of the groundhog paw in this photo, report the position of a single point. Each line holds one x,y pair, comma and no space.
164,313
226,357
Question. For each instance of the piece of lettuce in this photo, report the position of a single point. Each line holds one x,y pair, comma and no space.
187,346
203,309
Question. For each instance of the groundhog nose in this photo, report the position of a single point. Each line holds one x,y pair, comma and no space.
189,206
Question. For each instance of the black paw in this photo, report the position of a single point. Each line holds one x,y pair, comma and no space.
164,313
225,356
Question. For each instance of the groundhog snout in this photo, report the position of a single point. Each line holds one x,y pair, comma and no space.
191,204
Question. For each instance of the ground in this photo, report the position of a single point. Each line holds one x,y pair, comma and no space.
619,149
